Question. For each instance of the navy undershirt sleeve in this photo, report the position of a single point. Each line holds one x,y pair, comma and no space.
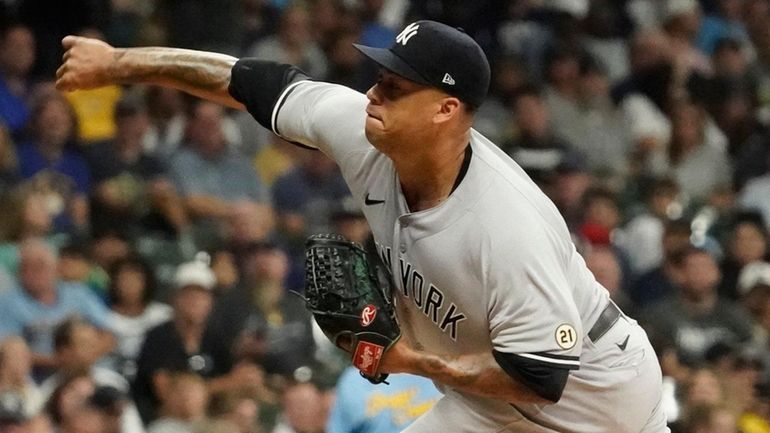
258,84
545,379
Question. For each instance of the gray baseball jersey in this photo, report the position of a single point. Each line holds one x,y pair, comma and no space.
491,268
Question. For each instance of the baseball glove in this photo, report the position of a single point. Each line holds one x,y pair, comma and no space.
349,302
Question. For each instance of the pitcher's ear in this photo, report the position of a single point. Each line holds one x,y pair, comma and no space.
450,108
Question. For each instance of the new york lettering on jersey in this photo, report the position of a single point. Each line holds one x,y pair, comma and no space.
425,296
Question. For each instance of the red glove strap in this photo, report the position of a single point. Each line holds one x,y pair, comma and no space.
367,357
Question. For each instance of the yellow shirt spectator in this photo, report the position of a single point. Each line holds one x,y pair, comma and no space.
753,423
95,110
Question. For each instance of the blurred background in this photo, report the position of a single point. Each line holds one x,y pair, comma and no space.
149,241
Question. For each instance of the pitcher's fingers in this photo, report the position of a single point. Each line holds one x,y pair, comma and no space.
62,83
69,41
62,86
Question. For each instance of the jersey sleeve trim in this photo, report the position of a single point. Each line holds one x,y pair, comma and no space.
279,104
277,108
556,361
546,379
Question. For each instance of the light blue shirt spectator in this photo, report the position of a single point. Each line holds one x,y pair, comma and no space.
227,176
362,407
206,166
713,28
21,314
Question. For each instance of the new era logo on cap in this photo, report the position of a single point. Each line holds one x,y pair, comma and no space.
448,80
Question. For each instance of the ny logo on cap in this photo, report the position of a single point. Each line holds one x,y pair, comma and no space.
407,33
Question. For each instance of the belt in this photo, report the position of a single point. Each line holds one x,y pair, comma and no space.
607,318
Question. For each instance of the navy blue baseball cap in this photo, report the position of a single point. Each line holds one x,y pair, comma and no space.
437,55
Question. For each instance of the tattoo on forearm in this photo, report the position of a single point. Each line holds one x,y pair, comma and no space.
204,71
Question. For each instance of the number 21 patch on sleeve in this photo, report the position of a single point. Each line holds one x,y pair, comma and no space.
566,336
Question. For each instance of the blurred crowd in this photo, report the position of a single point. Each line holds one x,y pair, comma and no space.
150,242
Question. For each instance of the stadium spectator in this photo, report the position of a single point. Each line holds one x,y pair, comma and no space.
208,174
293,44
266,323
598,133
681,20
606,267
16,375
305,196
17,45
754,289
77,350
600,217
41,301
607,26
304,410
50,159
662,281
126,180
165,110
238,408
493,118
562,90
183,404
86,419
134,311
360,406
697,165
642,234
76,266
24,216
695,318
710,419
346,64
70,395
725,23
115,407
224,264
190,341
748,241
535,148
248,223
754,196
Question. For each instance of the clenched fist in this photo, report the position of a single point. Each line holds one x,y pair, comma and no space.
85,65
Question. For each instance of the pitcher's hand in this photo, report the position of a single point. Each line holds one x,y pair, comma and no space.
85,65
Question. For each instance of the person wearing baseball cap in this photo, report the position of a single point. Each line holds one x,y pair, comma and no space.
753,276
442,57
495,305
187,342
195,274
754,290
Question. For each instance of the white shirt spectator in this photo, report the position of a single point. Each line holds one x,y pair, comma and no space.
129,331
755,196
